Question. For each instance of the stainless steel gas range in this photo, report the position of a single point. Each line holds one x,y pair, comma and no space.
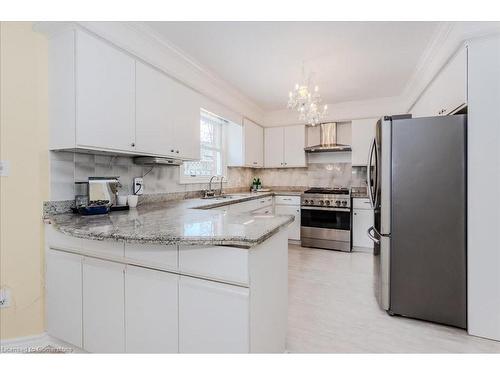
326,218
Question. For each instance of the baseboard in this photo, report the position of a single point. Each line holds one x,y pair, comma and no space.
43,343
25,341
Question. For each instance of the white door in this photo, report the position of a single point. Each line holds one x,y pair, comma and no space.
151,308
154,128
213,317
294,228
362,134
273,148
294,141
185,119
103,306
254,144
105,95
362,220
64,296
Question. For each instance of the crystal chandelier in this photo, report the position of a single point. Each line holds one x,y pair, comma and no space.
307,102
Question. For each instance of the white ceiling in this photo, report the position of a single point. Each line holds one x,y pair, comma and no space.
350,60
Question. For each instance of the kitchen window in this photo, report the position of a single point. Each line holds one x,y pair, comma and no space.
212,155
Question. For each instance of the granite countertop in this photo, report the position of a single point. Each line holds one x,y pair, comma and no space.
187,222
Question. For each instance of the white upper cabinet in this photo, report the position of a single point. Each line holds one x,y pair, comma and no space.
105,101
363,132
284,147
447,92
185,117
254,144
273,147
294,139
153,94
167,115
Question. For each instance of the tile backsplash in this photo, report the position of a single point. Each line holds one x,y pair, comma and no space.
68,167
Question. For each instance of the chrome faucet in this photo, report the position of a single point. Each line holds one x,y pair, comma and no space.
210,193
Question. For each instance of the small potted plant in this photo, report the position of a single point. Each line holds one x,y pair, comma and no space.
256,184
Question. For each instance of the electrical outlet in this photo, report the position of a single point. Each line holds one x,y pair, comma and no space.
4,297
138,186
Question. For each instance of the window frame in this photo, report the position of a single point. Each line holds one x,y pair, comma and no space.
185,179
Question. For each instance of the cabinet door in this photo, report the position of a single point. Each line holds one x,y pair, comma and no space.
105,95
185,118
103,306
64,296
454,83
447,91
273,148
293,228
151,311
363,132
154,128
254,144
294,141
213,317
361,221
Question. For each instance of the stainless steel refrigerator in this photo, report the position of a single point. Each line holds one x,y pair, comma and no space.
417,186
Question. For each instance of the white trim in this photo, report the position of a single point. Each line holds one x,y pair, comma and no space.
27,344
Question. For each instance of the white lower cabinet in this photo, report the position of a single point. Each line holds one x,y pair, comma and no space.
103,306
151,308
64,296
294,228
213,317
362,220
289,205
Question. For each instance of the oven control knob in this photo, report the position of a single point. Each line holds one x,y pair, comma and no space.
327,203
344,203
321,203
306,201
337,203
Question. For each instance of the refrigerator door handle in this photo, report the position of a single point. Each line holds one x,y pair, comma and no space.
369,174
376,185
372,236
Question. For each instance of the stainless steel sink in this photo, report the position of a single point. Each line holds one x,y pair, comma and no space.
218,197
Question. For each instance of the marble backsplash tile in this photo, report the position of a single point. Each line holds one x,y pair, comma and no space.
318,174
68,167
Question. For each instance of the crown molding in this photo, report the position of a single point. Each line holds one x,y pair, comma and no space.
448,39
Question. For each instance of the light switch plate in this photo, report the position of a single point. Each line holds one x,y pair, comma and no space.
138,186
4,168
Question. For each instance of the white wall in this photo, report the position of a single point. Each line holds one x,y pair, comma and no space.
483,216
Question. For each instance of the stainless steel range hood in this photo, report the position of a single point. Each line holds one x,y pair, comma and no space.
328,140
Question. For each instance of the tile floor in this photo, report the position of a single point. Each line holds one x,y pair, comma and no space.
333,309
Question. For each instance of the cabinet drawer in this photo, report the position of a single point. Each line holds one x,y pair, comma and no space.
106,249
288,200
58,240
156,256
217,263
361,203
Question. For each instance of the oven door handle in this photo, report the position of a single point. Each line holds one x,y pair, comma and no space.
333,209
